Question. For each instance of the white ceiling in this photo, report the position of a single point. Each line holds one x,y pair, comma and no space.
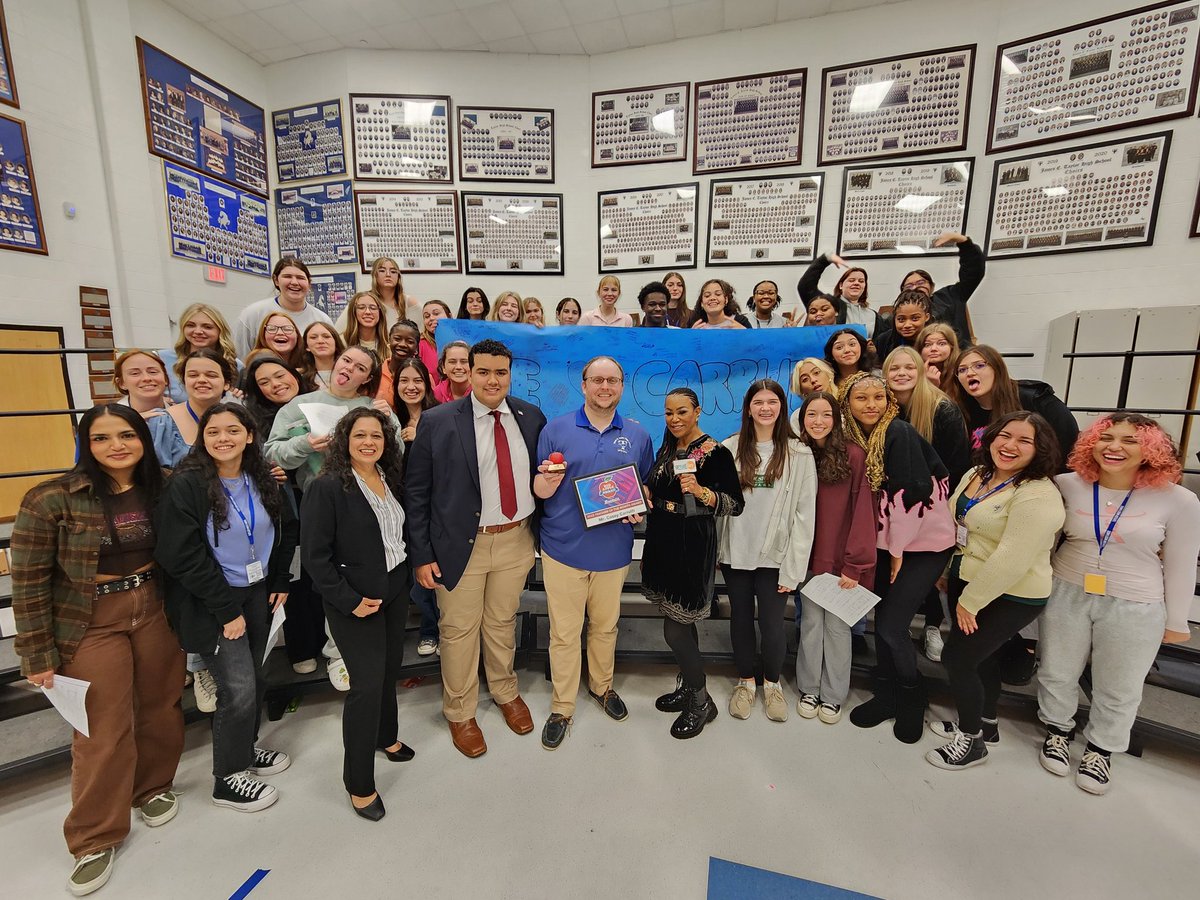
274,30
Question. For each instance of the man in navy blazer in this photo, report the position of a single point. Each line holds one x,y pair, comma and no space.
470,509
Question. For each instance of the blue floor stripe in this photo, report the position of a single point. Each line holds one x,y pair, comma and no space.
733,881
250,884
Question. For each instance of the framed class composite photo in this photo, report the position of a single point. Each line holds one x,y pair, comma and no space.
640,125
505,144
899,210
513,233
647,228
1133,68
212,222
21,226
418,229
331,292
1098,197
764,221
401,137
897,106
8,83
315,223
749,122
197,121
309,142
609,495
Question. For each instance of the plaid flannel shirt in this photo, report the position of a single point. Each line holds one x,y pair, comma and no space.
55,551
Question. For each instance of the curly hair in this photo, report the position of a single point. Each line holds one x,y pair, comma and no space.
731,310
254,466
1160,457
833,462
1046,453
337,458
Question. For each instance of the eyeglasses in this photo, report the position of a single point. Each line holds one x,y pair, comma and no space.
280,329
600,381
967,370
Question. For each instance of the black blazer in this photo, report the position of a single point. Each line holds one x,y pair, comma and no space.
341,546
442,501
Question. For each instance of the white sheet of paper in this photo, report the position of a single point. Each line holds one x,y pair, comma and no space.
848,605
276,628
68,696
322,417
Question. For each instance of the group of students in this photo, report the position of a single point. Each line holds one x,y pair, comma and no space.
936,471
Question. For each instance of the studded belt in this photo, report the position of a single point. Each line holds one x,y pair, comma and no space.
128,583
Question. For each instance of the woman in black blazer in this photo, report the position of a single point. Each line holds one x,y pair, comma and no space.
352,544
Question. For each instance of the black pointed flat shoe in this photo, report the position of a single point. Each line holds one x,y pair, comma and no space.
373,811
404,754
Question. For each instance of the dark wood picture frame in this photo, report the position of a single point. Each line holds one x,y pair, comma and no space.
458,249
562,264
292,179
464,110
695,114
450,120
694,185
14,101
712,193
42,248
684,91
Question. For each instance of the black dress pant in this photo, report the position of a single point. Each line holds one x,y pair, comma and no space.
897,658
373,650
745,587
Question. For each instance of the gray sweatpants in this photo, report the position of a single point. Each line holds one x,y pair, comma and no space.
1122,637
823,657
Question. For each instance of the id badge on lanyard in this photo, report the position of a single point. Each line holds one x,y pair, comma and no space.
254,568
960,524
1096,583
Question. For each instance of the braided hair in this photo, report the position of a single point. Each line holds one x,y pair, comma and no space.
871,444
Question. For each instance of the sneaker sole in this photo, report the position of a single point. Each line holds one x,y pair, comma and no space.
805,713
271,770
304,670
1091,786
206,707
155,821
829,720
1054,767
935,759
92,886
249,806
934,726
421,652
780,718
738,715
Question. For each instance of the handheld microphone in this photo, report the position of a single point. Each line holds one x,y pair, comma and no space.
684,465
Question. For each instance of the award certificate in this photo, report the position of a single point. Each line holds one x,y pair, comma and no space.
609,495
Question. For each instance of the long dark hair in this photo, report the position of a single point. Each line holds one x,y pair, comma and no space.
748,459
833,460
866,359
1047,455
147,474
666,450
337,458
228,371
462,306
260,407
427,402
1005,395
254,466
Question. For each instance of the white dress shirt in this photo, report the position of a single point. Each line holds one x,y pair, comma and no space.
489,478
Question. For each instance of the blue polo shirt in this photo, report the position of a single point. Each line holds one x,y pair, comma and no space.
586,451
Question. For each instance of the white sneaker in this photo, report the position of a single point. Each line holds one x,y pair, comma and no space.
269,762
1055,755
934,644
304,667
742,700
427,646
242,792
808,705
830,713
1093,773
339,676
205,688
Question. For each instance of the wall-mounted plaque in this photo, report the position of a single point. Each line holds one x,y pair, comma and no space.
640,125
897,106
1130,69
308,141
418,229
648,228
899,210
400,137
316,223
1097,197
331,292
751,122
505,144
513,233
21,226
764,221
8,84
215,223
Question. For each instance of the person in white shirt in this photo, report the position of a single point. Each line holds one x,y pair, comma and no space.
292,280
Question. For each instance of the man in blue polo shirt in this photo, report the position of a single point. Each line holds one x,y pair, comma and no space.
584,568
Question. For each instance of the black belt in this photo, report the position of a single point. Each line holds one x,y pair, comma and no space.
128,583
679,509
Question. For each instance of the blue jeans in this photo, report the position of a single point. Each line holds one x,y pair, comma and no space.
237,667
426,603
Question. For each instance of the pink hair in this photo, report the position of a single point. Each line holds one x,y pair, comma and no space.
1160,460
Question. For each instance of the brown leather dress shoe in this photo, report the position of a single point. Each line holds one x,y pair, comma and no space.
516,714
468,739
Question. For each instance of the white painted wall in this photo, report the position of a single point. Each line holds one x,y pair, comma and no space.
77,75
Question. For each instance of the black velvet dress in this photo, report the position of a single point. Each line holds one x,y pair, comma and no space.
679,559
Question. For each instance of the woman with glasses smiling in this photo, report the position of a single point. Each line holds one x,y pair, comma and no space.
764,306
278,336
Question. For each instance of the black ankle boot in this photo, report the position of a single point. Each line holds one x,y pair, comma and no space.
696,714
910,713
672,702
880,708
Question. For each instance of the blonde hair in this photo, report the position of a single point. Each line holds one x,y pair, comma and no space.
812,361
224,336
494,313
400,298
607,278
354,334
534,301
921,408
946,367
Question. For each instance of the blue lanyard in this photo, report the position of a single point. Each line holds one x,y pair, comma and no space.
1102,540
237,509
972,502
192,413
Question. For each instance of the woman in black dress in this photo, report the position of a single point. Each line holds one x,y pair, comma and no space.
680,556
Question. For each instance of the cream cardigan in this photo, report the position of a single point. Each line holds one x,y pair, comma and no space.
1010,538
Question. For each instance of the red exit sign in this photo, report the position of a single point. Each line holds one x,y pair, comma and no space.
215,274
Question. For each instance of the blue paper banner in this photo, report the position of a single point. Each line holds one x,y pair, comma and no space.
717,364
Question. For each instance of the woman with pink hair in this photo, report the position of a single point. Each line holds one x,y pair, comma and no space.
1124,576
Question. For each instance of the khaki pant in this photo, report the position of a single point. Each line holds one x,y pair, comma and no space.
485,600
570,594
135,666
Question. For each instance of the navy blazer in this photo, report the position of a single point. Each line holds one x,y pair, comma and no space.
442,501
341,546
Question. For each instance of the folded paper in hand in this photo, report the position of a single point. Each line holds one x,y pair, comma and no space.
848,605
